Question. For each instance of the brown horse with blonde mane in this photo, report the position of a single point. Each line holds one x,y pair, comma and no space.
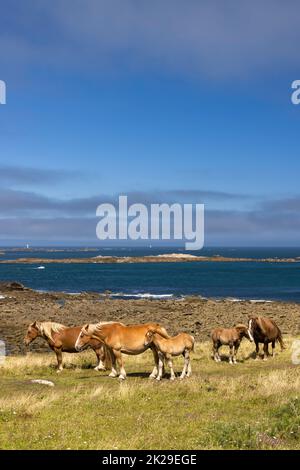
119,339
61,339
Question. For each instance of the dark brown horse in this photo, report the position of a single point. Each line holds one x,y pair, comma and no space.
265,331
61,339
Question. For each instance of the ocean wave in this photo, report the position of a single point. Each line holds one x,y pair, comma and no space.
142,295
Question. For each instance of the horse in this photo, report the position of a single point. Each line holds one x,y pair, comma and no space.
61,339
182,343
119,339
264,330
231,337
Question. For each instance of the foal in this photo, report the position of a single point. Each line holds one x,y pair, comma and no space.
231,337
174,346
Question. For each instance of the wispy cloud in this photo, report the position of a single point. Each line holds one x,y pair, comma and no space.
207,38
16,202
13,175
286,205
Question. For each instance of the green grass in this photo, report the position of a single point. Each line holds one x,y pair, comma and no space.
252,405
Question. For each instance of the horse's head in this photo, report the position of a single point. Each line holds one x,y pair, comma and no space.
244,332
83,339
149,337
33,332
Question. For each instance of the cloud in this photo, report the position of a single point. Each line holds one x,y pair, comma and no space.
208,38
16,202
52,228
222,227
11,175
28,215
284,205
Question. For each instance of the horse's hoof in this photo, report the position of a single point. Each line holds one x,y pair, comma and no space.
99,368
122,377
152,376
158,379
112,375
172,378
59,371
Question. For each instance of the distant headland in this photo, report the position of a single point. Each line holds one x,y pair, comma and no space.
163,258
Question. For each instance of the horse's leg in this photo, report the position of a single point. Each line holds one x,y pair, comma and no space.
236,348
118,356
101,358
231,353
266,351
186,363
273,348
114,372
218,355
59,359
156,361
189,369
215,352
256,350
160,365
170,364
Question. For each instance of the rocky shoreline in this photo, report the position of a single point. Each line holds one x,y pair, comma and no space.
20,306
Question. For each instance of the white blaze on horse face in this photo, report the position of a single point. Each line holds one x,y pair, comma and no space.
77,344
249,330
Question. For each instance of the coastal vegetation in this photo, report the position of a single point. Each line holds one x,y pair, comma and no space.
251,405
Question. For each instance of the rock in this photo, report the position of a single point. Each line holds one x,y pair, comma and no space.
11,285
42,382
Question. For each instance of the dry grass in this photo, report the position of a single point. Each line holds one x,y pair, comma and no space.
253,404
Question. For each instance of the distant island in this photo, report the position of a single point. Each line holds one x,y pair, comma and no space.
164,258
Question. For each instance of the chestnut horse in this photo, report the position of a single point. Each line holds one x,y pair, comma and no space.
61,339
119,339
231,337
169,347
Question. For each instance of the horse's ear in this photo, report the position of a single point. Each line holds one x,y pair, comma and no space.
34,324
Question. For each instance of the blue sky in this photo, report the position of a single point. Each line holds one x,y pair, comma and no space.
185,100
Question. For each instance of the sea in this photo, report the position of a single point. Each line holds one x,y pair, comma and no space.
233,280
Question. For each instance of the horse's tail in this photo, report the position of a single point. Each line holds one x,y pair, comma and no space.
193,343
280,340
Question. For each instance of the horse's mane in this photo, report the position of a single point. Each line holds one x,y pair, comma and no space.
93,327
48,327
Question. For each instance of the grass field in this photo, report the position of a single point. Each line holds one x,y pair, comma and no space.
251,405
